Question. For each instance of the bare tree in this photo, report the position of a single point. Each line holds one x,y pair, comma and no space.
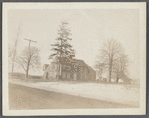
29,59
10,54
120,67
110,54
14,52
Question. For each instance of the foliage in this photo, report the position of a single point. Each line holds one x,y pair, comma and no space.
62,46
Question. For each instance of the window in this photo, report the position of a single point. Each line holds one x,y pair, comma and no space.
68,75
75,66
63,74
64,66
68,67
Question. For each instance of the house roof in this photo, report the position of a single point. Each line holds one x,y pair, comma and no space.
76,61
79,62
123,76
45,66
91,68
63,59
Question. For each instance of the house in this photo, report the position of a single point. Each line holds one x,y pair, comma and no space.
69,69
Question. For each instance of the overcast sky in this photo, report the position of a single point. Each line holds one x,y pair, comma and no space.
89,28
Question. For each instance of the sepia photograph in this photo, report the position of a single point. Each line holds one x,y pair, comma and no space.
74,59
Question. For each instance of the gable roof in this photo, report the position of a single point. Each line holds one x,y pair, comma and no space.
80,62
123,76
76,61
64,60
90,68
45,66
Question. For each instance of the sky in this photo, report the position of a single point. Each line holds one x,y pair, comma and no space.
89,28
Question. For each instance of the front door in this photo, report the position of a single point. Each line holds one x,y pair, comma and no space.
75,76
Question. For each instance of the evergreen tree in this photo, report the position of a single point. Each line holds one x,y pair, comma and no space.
62,47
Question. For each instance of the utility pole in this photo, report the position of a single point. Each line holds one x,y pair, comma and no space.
30,41
14,56
15,48
14,52
28,62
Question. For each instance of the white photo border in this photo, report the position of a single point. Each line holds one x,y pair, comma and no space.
91,5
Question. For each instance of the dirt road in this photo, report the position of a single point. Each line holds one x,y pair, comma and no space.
21,97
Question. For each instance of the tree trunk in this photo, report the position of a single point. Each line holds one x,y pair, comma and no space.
12,68
26,76
58,71
110,68
100,76
117,79
61,71
60,68
27,70
109,72
13,62
28,63
109,75
14,55
60,77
